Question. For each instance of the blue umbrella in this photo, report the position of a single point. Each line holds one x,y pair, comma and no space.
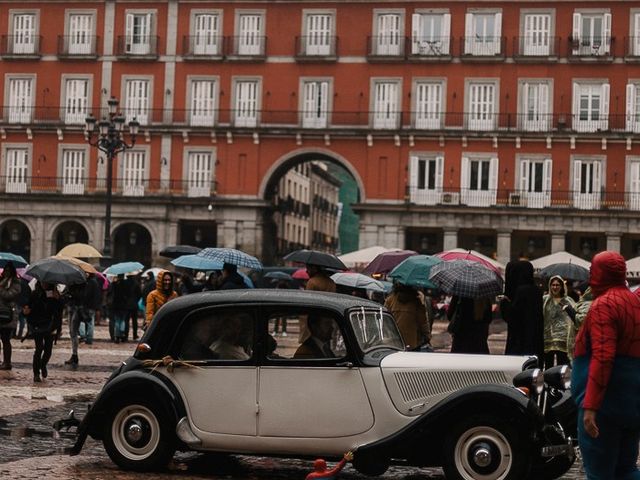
231,256
247,281
196,262
123,268
17,260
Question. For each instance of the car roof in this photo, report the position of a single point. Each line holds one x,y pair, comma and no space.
333,301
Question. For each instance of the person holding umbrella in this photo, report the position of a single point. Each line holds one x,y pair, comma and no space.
162,294
319,279
231,279
469,320
9,292
410,314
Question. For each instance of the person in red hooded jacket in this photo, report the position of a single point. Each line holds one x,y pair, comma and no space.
606,374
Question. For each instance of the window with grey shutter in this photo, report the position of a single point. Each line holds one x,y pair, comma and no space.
80,34
73,172
133,173
76,101
250,35
20,100
315,104
24,33
17,170
246,103
137,101
386,112
206,34
203,103
199,174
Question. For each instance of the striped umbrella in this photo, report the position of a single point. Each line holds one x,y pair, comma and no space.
231,256
465,278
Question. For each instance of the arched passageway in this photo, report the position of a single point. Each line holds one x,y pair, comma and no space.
15,238
132,242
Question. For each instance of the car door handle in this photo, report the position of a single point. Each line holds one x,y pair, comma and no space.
416,407
344,364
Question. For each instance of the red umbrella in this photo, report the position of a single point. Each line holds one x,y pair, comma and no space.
387,261
301,274
461,254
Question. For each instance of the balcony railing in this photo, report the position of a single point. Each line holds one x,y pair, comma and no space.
483,46
429,47
386,47
137,46
20,46
203,46
536,46
78,46
317,47
632,47
253,47
591,47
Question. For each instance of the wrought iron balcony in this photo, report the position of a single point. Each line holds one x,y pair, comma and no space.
206,47
594,48
483,47
386,47
246,47
140,47
317,48
429,47
536,47
78,46
20,46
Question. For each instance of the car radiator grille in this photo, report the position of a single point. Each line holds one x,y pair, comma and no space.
420,385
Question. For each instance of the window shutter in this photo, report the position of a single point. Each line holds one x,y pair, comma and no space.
129,32
577,174
446,33
498,34
634,183
606,32
546,185
525,104
604,106
524,175
631,107
468,33
413,178
308,113
464,179
577,21
323,104
544,110
597,177
576,105
493,179
636,35
439,172
416,32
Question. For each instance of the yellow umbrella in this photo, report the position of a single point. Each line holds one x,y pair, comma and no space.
86,267
80,250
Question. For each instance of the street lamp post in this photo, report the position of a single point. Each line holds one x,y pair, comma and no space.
110,141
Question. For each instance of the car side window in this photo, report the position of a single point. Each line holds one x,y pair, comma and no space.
304,336
219,334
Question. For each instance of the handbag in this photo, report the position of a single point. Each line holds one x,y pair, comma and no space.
6,314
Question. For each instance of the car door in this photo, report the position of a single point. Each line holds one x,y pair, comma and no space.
220,385
304,392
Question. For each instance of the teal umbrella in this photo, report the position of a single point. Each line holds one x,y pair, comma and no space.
414,271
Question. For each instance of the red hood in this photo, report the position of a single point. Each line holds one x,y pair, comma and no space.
608,269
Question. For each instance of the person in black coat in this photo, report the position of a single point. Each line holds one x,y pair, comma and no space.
469,324
231,279
521,308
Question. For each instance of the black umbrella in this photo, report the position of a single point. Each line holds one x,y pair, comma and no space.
55,270
277,275
568,271
313,257
175,251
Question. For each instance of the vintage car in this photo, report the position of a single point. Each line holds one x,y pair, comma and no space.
214,374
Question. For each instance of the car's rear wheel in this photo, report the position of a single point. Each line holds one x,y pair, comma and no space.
484,447
137,437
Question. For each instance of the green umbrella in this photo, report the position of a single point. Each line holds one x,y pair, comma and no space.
414,271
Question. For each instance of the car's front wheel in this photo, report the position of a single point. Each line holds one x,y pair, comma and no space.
137,437
485,447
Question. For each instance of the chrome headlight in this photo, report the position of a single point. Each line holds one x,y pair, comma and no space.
558,377
532,379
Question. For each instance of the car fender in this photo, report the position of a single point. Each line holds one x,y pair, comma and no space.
127,385
424,436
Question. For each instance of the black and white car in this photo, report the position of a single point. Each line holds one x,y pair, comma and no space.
213,374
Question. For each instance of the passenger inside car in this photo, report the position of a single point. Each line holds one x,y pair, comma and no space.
234,339
198,339
318,345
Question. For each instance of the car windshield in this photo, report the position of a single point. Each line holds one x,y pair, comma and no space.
375,328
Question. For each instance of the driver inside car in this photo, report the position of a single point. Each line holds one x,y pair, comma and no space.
235,338
318,345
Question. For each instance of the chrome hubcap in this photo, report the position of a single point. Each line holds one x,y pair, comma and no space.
482,456
134,433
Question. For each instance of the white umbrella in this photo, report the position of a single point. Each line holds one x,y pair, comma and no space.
364,256
357,280
559,257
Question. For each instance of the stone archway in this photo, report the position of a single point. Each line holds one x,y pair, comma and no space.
67,233
15,237
132,242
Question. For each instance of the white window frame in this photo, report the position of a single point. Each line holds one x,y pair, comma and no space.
539,118
203,112
525,180
481,117
388,43
426,43
475,196
200,180
246,112
538,32
75,110
633,106
73,39
16,177
250,43
73,167
318,42
134,106
590,124
19,110
206,42
478,43
426,92
632,183
133,176
594,176
420,192
386,104
139,43
634,29
315,101
24,43
591,45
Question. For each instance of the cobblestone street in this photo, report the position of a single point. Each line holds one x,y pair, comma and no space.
30,449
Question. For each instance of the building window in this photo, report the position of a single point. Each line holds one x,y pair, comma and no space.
133,173
246,103
80,39
315,108
425,179
481,106
535,182
535,114
386,99
590,107
203,103
137,100
20,100
633,108
430,34
591,33
635,34
24,34
388,39
318,39
634,184
250,40
76,100
428,105
586,184
479,181
17,170
206,34
536,40
199,174
483,33
138,34
73,172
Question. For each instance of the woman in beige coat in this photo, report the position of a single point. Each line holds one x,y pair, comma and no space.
410,314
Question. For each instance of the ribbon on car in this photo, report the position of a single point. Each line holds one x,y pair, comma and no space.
169,362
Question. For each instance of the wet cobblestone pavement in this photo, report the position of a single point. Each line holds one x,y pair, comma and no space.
31,449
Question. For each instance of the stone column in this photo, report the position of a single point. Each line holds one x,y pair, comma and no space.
450,239
558,243
613,241
504,246
368,235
